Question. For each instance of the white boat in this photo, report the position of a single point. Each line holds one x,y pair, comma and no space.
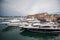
41,27
12,22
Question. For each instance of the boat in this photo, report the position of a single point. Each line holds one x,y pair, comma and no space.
14,22
11,22
46,27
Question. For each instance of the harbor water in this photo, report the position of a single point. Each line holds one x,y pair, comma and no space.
14,33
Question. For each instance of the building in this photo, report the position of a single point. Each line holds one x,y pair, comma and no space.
45,16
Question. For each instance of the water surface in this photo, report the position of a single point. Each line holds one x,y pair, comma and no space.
14,33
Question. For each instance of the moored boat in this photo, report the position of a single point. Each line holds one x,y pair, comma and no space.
42,27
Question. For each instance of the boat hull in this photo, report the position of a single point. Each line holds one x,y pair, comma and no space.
43,30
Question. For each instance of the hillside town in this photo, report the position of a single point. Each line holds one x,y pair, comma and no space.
46,16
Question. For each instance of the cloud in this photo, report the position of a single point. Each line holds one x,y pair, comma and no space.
25,7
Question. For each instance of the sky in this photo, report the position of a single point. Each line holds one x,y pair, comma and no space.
28,7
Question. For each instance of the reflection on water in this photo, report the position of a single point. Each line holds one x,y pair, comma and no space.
9,28
41,36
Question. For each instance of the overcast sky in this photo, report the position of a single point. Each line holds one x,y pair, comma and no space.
26,7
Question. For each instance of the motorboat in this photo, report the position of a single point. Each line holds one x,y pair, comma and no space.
42,27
